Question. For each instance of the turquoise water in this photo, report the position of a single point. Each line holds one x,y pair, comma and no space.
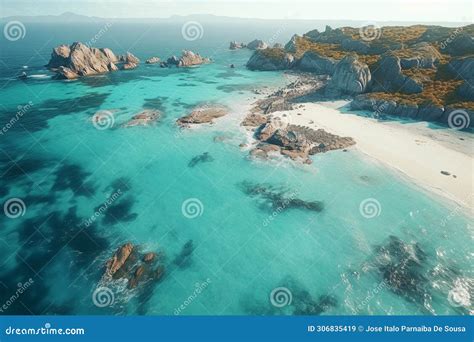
329,261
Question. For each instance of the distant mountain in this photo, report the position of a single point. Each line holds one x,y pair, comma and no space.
69,17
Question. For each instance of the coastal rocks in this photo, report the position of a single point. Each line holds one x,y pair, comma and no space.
263,151
126,264
315,63
278,46
388,77
187,59
80,60
254,120
257,44
461,45
153,60
270,59
129,61
235,45
350,77
202,114
144,118
423,56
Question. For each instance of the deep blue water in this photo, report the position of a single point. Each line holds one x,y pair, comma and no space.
413,257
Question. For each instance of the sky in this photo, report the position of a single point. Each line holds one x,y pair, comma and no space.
368,10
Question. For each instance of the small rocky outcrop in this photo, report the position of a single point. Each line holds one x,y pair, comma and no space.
202,114
278,46
350,77
270,59
257,44
388,77
317,64
128,263
187,59
144,118
296,141
129,61
153,60
235,45
423,55
79,60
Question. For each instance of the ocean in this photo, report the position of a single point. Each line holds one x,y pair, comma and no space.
229,236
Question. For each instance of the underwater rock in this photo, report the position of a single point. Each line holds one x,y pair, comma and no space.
149,257
143,118
202,158
184,256
277,198
202,114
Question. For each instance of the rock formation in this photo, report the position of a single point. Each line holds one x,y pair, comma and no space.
270,59
388,77
187,58
202,114
317,64
80,60
235,45
257,44
153,60
350,77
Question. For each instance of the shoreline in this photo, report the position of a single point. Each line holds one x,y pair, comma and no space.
411,149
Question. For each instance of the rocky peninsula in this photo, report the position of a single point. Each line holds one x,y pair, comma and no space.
419,72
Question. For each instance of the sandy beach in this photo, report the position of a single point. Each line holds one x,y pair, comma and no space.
418,151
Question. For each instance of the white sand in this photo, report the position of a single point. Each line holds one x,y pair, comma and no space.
413,148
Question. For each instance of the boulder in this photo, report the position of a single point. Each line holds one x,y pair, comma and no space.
350,77
388,77
461,45
257,44
80,60
153,60
462,68
317,64
423,56
270,59
118,259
